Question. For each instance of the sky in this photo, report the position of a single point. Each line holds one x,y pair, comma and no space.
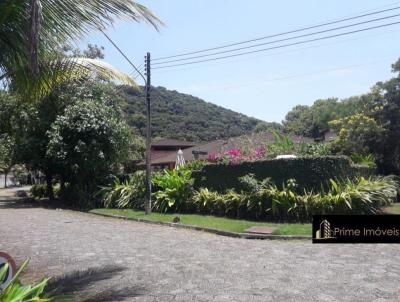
264,85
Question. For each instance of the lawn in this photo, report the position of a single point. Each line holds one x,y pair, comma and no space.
226,224
393,209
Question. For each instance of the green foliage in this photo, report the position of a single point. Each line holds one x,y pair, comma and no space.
29,59
358,133
87,142
366,124
174,188
128,193
181,116
314,149
39,191
309,172
312,120
196,165
7,152
283,142
213,203
13,124
289,203
386,111
15,291
365,160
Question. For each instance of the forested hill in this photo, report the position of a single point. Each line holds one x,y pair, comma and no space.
182,116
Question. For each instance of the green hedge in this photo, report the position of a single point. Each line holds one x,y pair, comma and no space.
309,172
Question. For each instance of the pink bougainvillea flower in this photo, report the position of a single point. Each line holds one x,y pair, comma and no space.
259,152
212,156
234,152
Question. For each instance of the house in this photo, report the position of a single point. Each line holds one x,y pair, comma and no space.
195,152
167,148
164,152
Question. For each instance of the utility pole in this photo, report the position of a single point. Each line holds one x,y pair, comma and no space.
147,205
147,87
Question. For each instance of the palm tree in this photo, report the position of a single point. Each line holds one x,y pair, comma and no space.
31,31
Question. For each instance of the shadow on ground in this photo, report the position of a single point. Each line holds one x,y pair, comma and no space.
72,285
16,203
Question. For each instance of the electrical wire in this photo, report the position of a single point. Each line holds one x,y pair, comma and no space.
276,35
280,46
277,41
123,54
191,67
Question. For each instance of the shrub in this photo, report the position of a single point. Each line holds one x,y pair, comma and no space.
173,188
234,156
288,203
88,142
39,191
125,194
365,160
314,149
196,165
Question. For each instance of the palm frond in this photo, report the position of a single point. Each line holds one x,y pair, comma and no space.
59,71
47,25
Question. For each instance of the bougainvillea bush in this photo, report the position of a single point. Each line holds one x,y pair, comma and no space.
235,156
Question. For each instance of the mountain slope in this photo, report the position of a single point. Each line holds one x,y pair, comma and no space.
182,116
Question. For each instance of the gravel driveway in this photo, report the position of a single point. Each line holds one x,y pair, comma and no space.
106,259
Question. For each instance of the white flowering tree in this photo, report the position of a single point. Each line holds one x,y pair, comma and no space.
88,142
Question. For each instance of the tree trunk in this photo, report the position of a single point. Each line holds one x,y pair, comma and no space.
5,179
49,186
62,185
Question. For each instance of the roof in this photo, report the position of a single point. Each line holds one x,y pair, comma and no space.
256,139
172,143
211,147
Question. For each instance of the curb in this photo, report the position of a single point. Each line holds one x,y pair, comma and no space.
209,230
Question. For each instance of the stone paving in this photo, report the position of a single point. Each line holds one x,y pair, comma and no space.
105,259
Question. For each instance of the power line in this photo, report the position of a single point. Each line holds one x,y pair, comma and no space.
277,41
135,74
281,46
276,35
274,53
123,54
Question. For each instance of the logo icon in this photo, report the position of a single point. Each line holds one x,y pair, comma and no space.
324,231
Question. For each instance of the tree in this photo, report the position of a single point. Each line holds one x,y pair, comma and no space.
386,110
88,142
313,120
13,122
297,121
32,69
33,146
358,134
7,155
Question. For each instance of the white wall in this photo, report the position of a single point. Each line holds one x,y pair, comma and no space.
10,180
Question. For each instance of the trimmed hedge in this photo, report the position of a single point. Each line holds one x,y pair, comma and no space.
309,172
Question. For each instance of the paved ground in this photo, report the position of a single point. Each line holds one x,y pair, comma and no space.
105,259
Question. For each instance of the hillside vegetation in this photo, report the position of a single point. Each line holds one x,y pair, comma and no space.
182,116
